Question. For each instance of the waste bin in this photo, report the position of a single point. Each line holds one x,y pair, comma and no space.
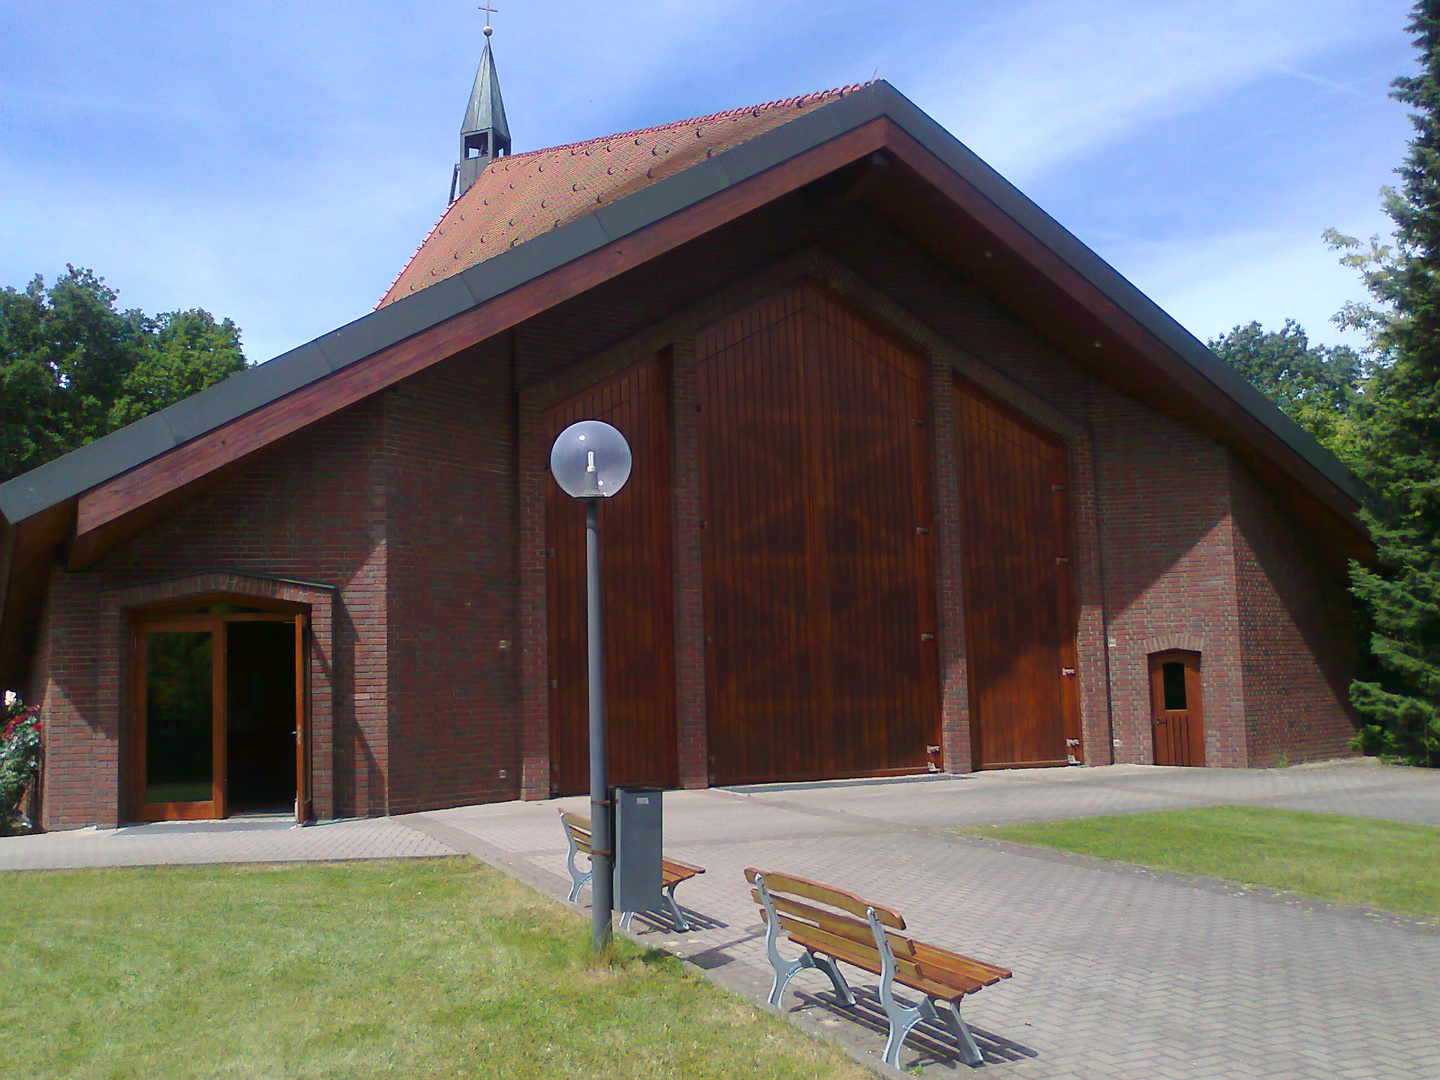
639,837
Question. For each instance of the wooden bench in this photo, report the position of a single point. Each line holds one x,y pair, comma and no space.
832,925
672,872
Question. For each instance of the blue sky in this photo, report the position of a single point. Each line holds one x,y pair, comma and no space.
278,162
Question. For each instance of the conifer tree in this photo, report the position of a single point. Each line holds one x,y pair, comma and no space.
1401,416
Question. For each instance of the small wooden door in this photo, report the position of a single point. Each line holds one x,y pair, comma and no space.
635,559
1176,710
820,654
1019,597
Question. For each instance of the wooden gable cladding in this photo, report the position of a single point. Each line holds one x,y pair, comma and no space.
818,583
1019,595
637,604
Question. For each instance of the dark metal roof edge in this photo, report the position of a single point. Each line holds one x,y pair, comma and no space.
108,457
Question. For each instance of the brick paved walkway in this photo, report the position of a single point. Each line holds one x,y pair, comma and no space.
257,839
1119,972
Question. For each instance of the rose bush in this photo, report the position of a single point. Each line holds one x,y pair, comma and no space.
19,760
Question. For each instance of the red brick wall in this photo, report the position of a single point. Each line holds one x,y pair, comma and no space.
1296,628
80,782
452,651
405,505
1169,573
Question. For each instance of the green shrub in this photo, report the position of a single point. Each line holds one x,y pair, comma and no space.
19,760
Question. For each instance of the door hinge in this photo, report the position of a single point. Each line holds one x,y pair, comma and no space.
1065,671
1057,487
932,748
1072,742
922,530
1062,560
927,637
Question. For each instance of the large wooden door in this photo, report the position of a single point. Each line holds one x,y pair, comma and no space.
1019,608
635,560
819,595
1177,715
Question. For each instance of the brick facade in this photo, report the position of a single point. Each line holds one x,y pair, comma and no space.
418,516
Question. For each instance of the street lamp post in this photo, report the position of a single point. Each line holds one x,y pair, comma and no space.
591,461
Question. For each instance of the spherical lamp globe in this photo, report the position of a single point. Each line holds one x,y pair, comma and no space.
590,460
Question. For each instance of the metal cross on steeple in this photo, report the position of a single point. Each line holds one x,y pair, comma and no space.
488,10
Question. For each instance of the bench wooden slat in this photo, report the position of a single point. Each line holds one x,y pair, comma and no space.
843,925
943,985
824,894
932,957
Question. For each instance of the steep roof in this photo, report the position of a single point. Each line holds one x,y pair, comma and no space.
521,196
631,212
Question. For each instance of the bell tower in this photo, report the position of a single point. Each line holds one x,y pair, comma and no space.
484,134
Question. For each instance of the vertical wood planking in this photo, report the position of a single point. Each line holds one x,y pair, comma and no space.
818,584
635,559
1019,605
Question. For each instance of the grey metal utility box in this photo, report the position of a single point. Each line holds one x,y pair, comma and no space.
639,836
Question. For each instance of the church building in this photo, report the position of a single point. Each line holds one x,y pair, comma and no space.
920,484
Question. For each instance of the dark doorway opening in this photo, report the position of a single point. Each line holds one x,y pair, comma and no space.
260,715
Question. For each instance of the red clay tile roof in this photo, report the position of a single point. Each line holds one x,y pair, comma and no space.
519,197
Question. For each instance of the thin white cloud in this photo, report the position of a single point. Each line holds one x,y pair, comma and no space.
1213,283
1060,78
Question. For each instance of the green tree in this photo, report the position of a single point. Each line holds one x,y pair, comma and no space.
73,367
1400,415
1317,386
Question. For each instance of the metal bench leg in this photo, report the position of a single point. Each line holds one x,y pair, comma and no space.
969,1051
902,1017
625,919
682,924
578,878
784,969
828,965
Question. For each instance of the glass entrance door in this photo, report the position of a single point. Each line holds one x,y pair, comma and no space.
181,699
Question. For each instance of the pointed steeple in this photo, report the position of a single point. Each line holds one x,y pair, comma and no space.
485,134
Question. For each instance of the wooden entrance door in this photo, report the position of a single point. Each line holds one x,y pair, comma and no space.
818,590
1019,606
219,702
1177,715
180,723
635,562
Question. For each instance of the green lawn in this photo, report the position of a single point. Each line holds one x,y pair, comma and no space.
433,968
1378,864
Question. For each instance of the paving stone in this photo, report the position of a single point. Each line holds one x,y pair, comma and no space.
1119,972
